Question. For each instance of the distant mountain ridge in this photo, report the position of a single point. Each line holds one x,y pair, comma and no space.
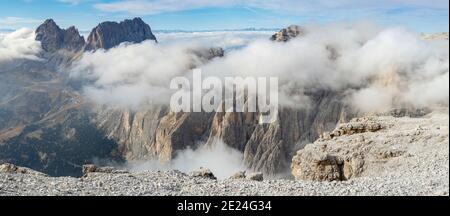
105,35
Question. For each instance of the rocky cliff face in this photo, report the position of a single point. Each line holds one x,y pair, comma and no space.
110,34
54,38
375,146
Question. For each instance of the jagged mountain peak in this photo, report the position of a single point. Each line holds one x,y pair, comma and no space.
104,36
110,34
72,29
50,22
53,38
288,33
50,35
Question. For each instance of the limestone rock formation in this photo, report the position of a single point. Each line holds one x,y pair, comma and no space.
53,38
370,146
409,112
288,33
269,147
358,125
73,40
110,34
316,163
203,173
238,175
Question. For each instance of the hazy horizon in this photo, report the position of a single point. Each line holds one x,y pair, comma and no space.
200,15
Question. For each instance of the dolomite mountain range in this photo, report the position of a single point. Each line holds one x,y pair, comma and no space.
47,125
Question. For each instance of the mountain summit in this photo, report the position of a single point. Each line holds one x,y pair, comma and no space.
110,34
105,36
53,38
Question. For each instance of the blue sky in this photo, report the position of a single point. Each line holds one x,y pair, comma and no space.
417,15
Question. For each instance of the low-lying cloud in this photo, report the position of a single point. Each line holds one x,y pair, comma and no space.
20,44
134,74
228,40
376,69
222,160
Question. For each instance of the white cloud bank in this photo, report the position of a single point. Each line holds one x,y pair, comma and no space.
376,68
20,44
225,39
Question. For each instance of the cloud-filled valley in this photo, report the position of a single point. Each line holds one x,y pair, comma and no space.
376,68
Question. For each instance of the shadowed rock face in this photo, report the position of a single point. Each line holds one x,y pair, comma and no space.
73,40
270,147
54,38
110,34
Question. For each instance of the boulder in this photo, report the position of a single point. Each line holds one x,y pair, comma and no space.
203,173
53,38
110,34
239,175
90,168
358,125
316,166
13,169
256,176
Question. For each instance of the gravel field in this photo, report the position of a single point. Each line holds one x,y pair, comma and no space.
173,183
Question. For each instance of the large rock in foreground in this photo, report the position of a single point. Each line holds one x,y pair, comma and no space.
372,146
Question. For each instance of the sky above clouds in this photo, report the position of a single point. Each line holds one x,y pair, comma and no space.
417,15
